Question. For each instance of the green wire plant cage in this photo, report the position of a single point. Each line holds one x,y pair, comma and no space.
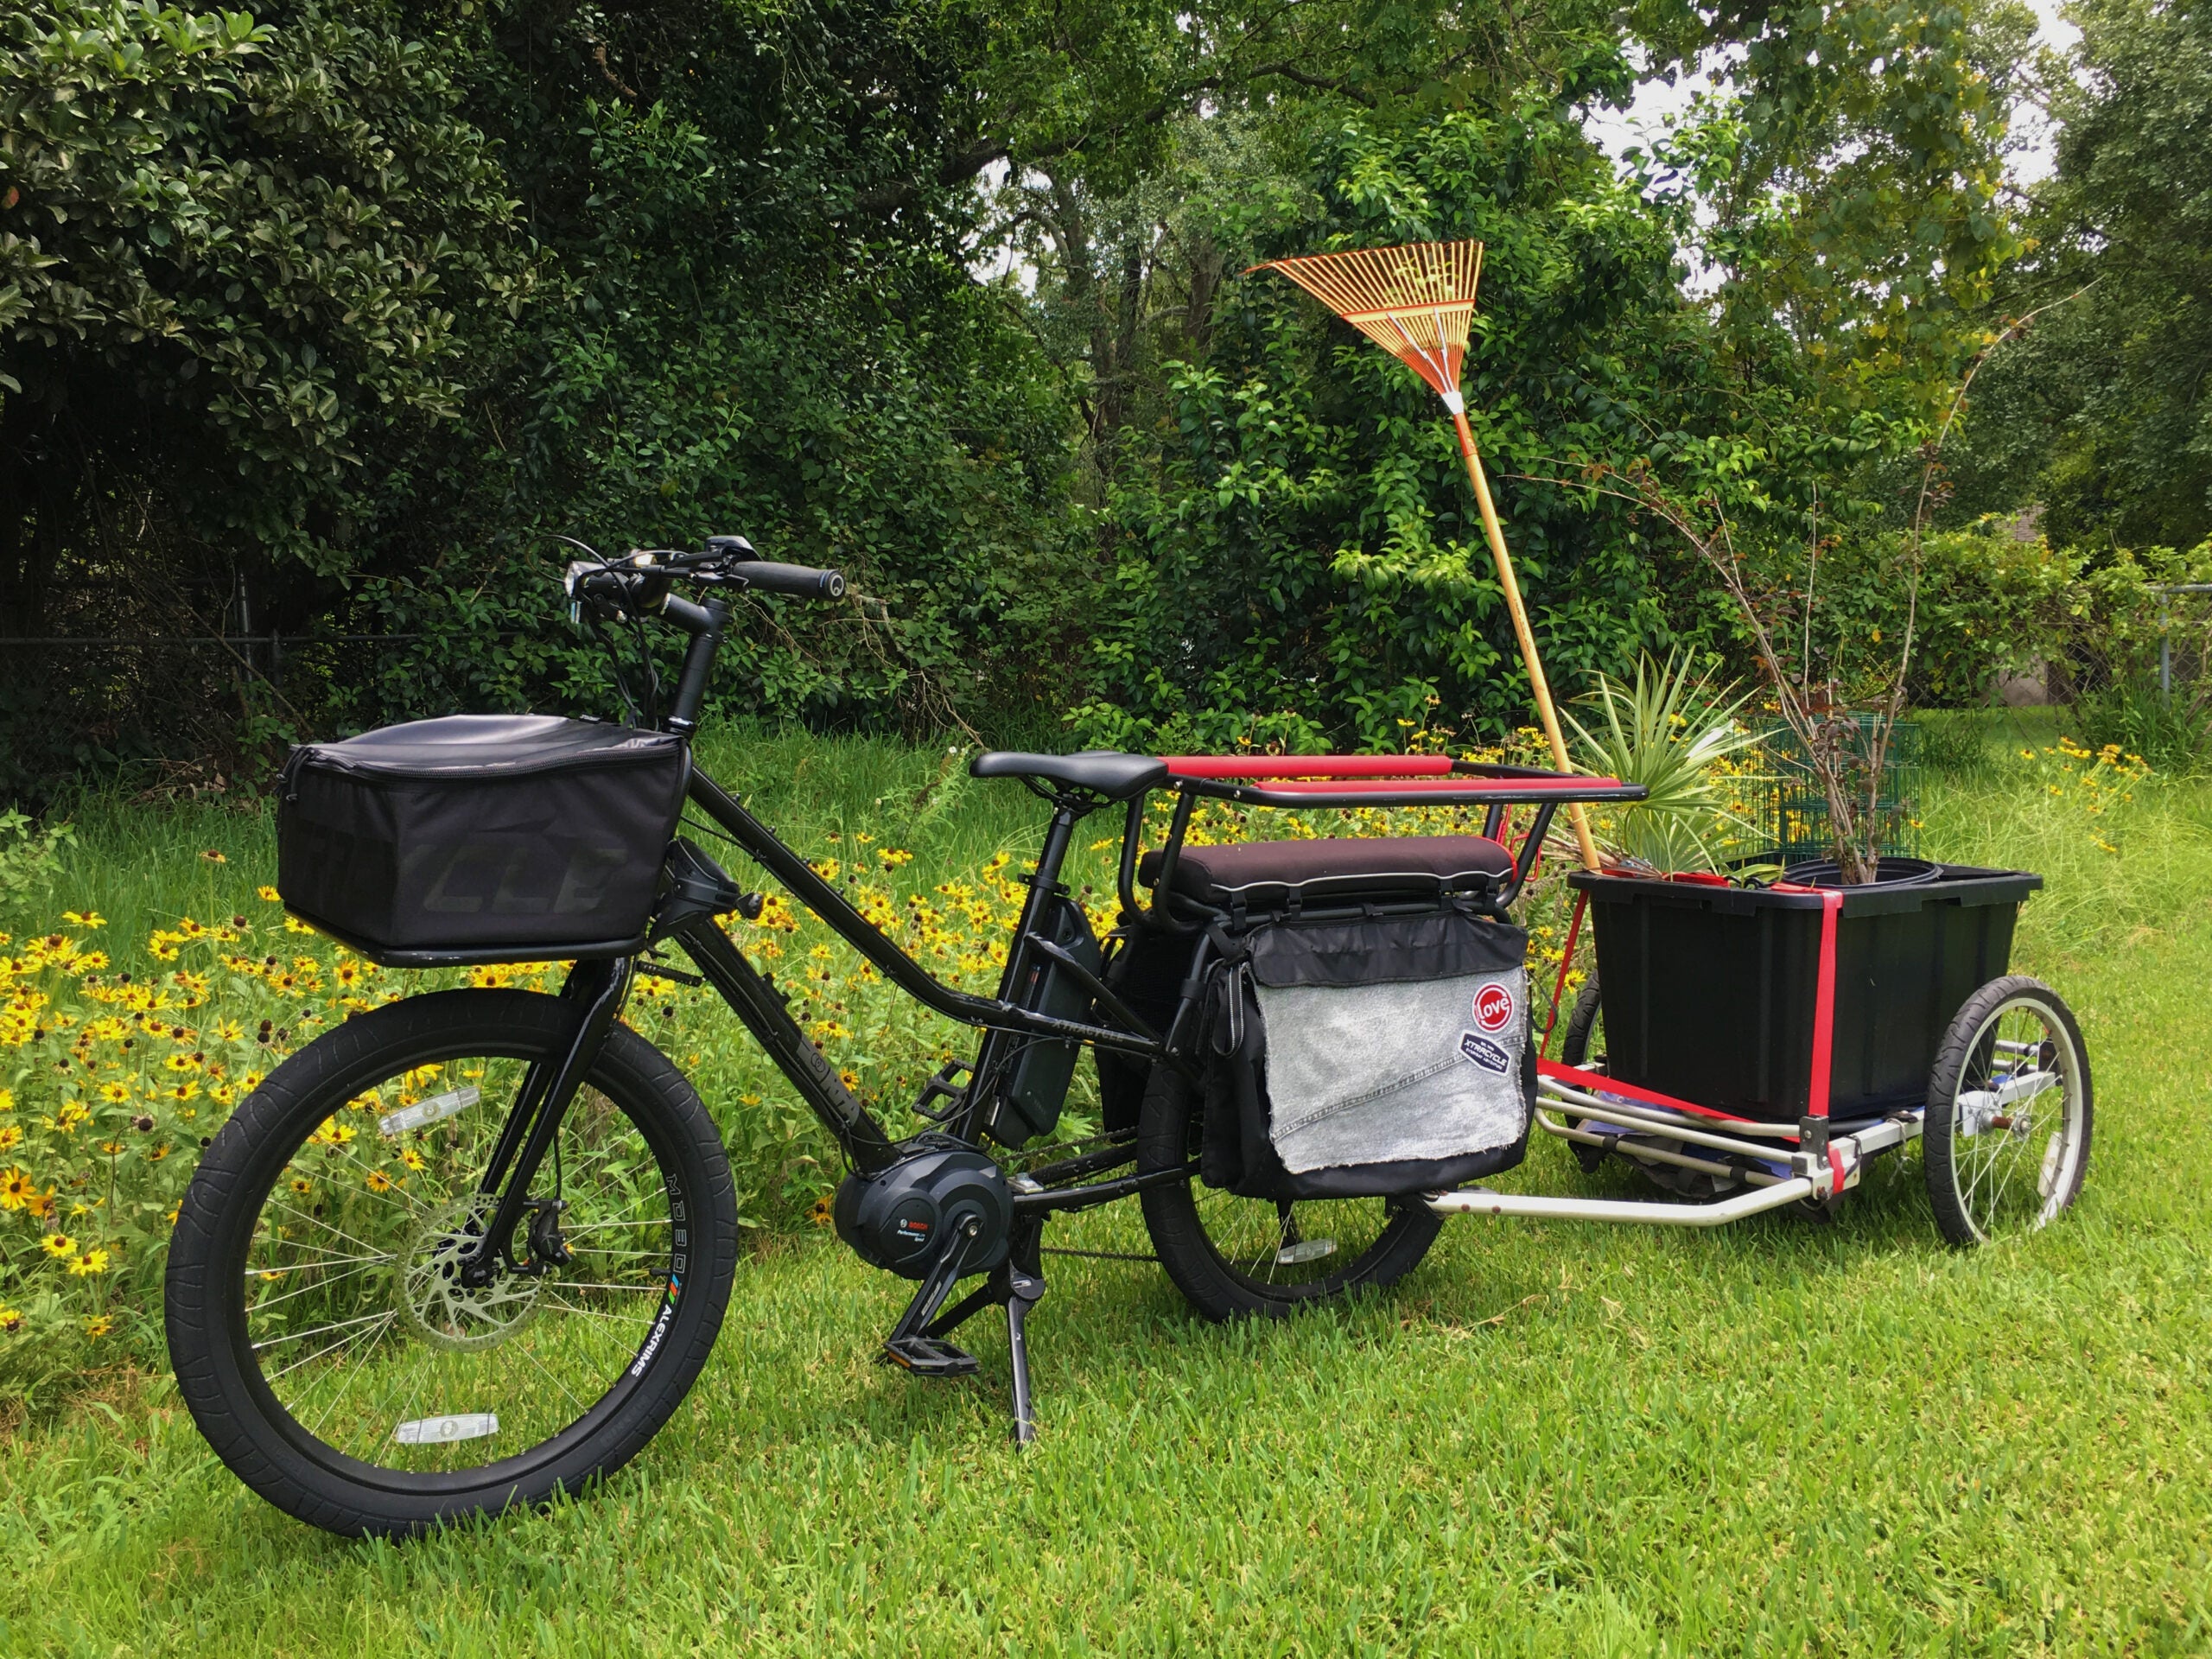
1793,811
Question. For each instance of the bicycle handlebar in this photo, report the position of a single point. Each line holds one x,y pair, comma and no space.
639,583
799,581
642,583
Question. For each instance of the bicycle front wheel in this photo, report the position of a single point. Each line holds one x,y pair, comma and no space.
322,1334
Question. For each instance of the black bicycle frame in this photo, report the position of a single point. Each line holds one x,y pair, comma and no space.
598,988
1004,1022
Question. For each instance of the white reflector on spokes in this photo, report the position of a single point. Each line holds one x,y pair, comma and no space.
441,1431
430,1111
1306,1250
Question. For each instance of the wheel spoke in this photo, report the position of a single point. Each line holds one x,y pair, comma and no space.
379,1321
262,1305
2016,1120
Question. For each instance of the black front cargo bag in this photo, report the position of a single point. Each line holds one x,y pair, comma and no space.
480,837
1378,1055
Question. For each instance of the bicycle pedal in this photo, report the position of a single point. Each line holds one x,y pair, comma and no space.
930,1356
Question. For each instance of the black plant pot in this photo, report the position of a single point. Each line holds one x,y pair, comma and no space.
1709,991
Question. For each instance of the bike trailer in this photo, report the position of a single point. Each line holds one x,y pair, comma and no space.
480,837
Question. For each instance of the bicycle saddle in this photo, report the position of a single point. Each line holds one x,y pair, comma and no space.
1104,771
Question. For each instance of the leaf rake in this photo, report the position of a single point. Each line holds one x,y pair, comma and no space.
1417,302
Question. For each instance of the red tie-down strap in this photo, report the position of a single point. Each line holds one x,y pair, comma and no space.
1559,986
1816,1096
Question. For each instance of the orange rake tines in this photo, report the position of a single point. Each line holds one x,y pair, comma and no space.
1415,302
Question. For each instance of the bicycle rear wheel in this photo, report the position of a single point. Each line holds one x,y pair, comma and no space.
1232,1258
322,1333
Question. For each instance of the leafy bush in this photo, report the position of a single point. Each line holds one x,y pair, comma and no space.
2170,730
1302,564
29,855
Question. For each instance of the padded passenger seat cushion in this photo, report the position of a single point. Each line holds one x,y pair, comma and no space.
1268,872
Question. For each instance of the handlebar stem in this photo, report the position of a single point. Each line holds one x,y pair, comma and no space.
705,623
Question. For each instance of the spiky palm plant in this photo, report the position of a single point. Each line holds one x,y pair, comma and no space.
1669,732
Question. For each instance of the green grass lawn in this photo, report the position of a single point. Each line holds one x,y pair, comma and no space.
1551,1438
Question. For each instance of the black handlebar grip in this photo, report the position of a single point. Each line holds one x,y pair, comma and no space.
798,580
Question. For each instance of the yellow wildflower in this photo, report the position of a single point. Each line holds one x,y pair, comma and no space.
58,1245
88,1264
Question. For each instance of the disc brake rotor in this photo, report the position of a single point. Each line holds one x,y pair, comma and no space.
448,1313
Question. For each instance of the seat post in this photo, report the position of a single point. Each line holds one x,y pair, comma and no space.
1044,887
1044,884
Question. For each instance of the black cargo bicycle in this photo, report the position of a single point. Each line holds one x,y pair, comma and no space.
1293,1041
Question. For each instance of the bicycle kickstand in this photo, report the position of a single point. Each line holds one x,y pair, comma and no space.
1018,1282
1024,1288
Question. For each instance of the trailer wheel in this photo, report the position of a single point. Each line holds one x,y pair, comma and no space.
2009,1113
1581,1023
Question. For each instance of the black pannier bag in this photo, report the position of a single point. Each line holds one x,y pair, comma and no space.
1370,1056
480,837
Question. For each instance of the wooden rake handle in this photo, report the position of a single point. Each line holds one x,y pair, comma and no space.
1537,683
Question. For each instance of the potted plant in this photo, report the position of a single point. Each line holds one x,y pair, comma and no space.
1827,992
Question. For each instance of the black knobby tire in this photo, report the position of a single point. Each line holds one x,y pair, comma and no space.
1221,1250
310,1206
1581,1021
2026,1164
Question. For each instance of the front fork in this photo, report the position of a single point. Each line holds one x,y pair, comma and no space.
597,991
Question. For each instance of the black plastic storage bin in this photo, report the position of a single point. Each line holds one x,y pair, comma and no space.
1708,991
480,837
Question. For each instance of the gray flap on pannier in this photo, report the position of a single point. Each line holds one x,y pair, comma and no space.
1392,1039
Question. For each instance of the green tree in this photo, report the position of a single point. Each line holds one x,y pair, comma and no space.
2103,417
1303,564
235,255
